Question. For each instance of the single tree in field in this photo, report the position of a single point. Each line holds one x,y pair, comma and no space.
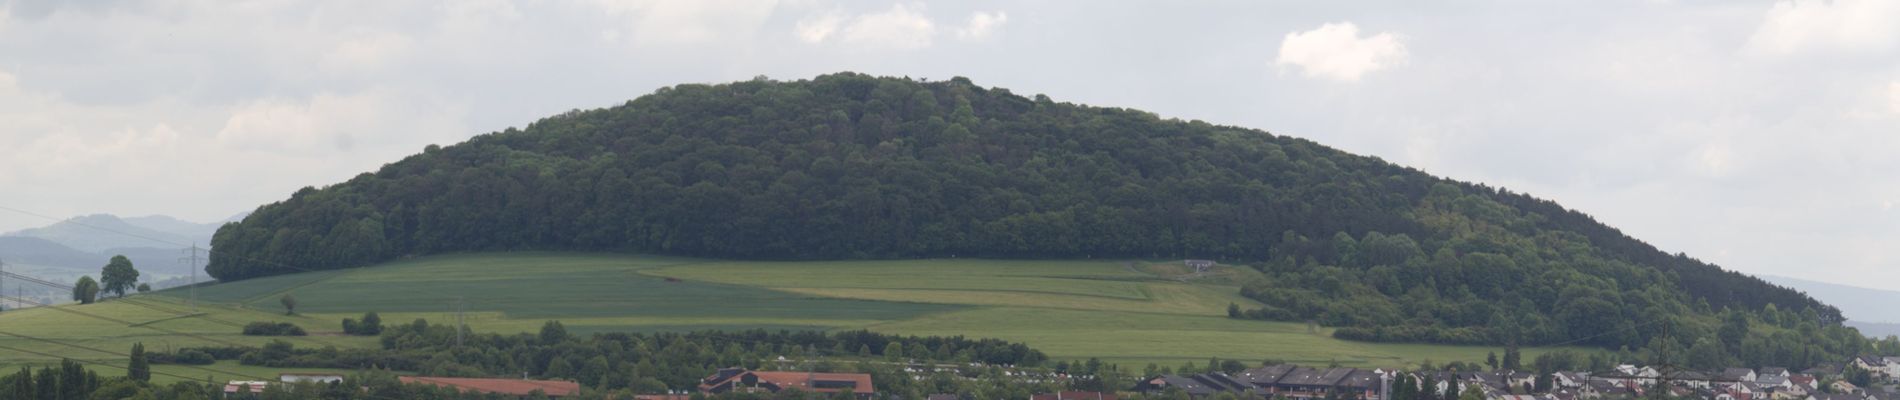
141,369
119,276
86,290
290,304
145,287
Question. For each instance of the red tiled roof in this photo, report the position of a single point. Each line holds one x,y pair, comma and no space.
861,383
515,387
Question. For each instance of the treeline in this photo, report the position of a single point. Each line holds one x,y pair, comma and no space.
1486,275
616,361
849,166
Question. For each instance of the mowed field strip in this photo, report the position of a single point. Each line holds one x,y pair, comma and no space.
1131,313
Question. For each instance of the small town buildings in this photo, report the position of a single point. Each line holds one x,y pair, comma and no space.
1286,381
1738,375
519,388
1567,379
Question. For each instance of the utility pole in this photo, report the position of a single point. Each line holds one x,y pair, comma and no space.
3,281
191,262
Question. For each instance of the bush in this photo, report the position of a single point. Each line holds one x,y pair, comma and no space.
273,329
371,325
182,357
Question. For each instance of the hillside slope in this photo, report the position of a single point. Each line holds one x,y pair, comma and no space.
848,166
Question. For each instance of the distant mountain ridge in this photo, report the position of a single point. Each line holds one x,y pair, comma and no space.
101,232
1856,303
84,244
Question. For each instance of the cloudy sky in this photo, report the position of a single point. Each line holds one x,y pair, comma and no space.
1761,135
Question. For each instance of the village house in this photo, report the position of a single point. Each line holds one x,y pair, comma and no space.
1567,379
1738,375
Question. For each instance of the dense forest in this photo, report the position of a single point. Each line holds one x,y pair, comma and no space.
849,166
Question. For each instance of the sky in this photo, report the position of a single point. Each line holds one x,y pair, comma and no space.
1760,135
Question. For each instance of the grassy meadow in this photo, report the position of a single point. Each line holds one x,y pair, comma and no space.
1126,312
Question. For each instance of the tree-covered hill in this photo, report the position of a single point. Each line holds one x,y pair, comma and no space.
848,166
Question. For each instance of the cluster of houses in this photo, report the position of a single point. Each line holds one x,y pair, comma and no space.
1626,381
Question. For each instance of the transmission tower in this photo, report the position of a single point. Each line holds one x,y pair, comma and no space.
191,262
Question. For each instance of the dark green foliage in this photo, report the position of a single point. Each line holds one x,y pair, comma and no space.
184,357
290,304
848,166
20,384
86,290
273,329
617,360
118,276
140,368
370,326
553,332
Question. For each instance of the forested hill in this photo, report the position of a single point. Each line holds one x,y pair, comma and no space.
848,166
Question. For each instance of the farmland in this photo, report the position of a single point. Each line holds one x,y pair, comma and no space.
1124,312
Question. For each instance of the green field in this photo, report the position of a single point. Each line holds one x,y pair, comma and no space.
1132,313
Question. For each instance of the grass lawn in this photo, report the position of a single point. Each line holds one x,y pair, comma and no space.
1131,313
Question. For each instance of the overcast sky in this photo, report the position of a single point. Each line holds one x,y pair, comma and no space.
1760,135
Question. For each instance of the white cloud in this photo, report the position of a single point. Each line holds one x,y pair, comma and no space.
902,27
1795,26
328,123
367,51
817,29
678,22
982,25
1335,51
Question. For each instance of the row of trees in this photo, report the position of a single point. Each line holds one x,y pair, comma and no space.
1487,274
642,363
851,166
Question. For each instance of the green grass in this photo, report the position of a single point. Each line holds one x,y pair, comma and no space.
1131,313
